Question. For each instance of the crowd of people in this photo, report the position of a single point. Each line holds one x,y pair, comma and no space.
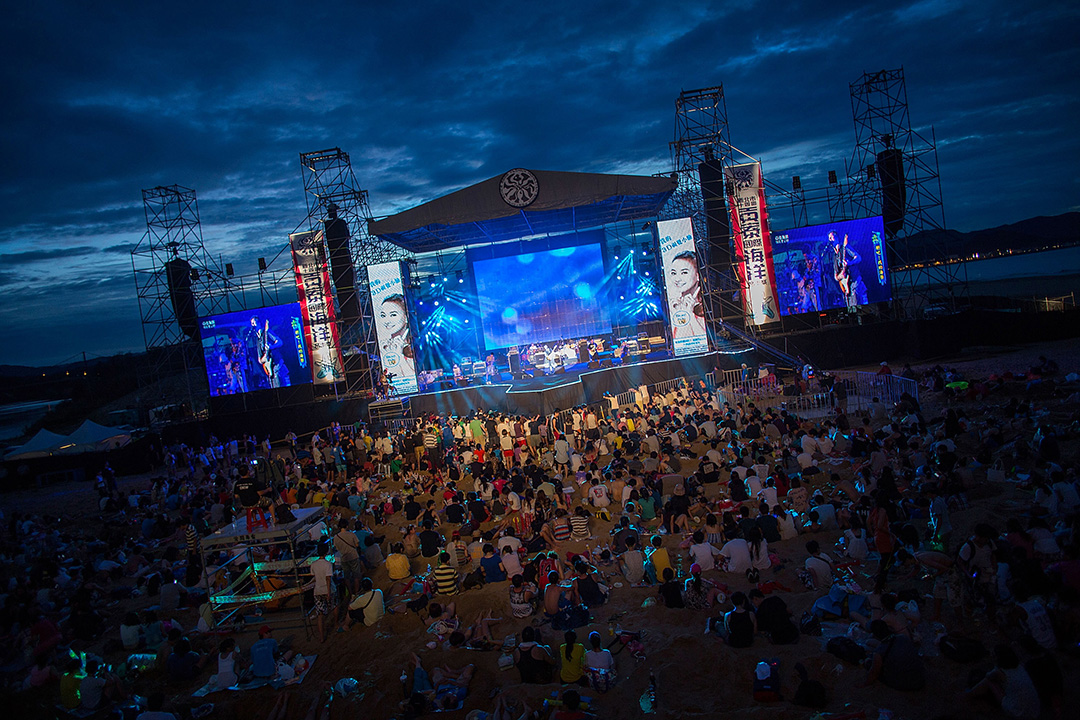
689,501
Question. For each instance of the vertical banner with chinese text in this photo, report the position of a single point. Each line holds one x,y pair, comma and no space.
392,329
682,283
753,247
317,307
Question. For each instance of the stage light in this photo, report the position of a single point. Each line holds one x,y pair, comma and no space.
421,302
436,303
460,279
621,297
646,273
432,284
616,257
466,320
444,279
618,277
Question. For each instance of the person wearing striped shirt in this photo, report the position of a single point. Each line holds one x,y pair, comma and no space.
446,576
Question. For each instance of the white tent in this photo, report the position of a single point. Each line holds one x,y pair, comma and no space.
43,444
91,437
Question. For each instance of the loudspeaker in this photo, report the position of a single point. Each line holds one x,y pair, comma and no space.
515,363
890,168
583,351
341,267
178,276
717,220
606,363
594,365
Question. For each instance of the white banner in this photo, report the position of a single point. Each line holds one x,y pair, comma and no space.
392,326
682,283
317,306
753,247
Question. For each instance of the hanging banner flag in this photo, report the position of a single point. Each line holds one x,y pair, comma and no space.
317,307
392,326
753,246
682,283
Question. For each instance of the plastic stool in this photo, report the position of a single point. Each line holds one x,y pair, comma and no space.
260,520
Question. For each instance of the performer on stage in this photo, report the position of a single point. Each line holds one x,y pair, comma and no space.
845,267
806,276
489,368
232,359
397,351
267,359
684,296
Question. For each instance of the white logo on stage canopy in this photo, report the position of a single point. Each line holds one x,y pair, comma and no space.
519,188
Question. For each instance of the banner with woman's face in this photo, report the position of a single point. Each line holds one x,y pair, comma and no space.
396,351
682,285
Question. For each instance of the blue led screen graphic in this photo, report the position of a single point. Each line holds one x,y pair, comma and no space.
809,260
255,350
536,297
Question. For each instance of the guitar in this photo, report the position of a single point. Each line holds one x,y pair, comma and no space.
843,276
264,352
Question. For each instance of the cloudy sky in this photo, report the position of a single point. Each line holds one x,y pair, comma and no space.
105,99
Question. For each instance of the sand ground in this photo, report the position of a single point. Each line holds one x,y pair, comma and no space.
698,676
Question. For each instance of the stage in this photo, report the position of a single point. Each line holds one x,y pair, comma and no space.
577,386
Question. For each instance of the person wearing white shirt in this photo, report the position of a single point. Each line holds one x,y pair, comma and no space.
805,460
753,484
809,444
703,553
737,554
819,565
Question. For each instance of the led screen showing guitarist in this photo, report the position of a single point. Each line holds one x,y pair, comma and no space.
267,359
845,267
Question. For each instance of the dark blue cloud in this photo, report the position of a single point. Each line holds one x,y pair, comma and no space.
102,101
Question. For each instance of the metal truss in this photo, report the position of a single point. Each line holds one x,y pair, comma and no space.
921,270
702,135
173,232
329,180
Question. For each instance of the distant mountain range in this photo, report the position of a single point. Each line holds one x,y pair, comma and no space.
1035,233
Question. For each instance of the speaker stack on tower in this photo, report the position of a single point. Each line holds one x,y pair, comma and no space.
890,168
178,276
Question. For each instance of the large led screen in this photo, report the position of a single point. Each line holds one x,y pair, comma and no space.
831,266
255,350
542,296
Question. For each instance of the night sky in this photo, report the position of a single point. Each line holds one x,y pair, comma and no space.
105,99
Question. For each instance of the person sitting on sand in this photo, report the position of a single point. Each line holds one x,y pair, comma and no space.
444,689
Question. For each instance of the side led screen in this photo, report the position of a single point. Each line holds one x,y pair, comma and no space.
255,350
831,266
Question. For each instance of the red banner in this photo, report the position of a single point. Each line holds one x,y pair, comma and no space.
753,246
317,307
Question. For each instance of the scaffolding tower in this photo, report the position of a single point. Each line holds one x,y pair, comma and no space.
330,188
177,282
702,137
893,172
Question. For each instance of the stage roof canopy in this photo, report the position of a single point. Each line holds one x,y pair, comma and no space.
564,202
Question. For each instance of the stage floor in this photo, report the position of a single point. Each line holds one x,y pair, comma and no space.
544,382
